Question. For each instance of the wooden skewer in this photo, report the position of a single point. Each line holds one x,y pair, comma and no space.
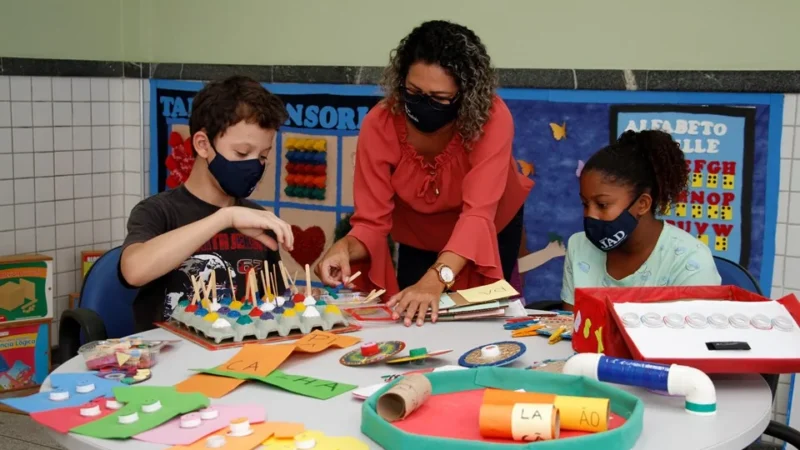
308,280
352,277
264,280
209,287
196,291
284,275
267,285
294,283
254,287
212,281
233,287
275,283
373,295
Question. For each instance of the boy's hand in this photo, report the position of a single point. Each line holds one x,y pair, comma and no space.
253,223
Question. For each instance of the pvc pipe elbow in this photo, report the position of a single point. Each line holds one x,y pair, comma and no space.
583,364
696,386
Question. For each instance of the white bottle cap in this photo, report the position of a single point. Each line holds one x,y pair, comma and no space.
151,407
311,312
240,427
113,404
59,395
91,411
128,418
209,413
490,351
215,442
84,388
304,442
309,301
191,421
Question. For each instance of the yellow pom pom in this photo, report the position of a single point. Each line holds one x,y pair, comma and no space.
291,143
320,145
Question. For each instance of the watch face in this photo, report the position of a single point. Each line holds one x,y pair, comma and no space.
447,274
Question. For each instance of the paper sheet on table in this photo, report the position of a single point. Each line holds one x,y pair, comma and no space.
68,382
171,433
308,386
496,291
253,359
690,343
261,432
318,341
65,419
173,404
323,442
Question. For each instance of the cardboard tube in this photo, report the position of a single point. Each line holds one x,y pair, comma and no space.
588,414
404,397
521,421
502,397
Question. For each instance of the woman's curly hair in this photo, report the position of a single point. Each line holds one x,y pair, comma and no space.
462,54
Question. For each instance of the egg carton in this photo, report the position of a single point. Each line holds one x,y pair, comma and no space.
237,320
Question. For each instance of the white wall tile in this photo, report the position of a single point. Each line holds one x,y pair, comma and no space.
23,140
62,114
117,205
26,240
45,238
65,211
100,184
795,185
5,89
84,233
101,139
101,208
83,209
780,239
130,202
42,114
133,183
65,235
82,161
791,269
62,89
131,114
783,207
133,160
81,90
118,229
82,138
100,160
102,231
7,192
21,88
794,206
132,137
62,138
66,260
45,189
24,216
6,218
64,186
45,214
116,159
42,89
117,183
99,89
24,191
81,114
7,243
100,113
65,283
115,90
5,140
63,163
793,240
21,114
83,186
23,165
6,167
5,114
131,90
43,165
789,108
116,113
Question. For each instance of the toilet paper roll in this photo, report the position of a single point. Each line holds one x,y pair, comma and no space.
521,422
588,414
404,397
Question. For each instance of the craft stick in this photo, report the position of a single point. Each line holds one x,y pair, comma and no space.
284,275
254,289
308,280
352,277
212,281
233,287
294,283
196,291
275,283
264,280
373,295
206,288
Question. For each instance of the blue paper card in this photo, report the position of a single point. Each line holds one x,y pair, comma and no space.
66,383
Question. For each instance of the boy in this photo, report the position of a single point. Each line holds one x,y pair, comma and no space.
206,224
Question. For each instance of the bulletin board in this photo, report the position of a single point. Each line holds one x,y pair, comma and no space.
731,141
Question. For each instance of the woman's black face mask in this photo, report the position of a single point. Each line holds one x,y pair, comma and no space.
427,113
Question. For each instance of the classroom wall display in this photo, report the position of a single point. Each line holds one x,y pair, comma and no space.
24,355
731,141
26,287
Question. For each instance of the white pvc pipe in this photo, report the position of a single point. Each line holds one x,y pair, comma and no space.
696,386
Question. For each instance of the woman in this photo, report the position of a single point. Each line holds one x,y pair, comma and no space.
623,188
434,169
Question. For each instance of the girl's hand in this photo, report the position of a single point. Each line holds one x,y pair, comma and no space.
416,300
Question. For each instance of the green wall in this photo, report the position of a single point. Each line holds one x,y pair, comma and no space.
609,34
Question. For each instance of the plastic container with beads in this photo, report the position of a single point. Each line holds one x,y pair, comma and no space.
133,353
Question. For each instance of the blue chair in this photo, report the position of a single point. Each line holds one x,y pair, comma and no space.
733,274
104,310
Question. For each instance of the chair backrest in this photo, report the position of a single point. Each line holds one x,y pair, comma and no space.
734,274
104,293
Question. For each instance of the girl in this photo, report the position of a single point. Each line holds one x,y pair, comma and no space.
623,188
434,169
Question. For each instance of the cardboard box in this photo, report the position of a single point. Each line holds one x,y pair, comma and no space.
24,355
26,287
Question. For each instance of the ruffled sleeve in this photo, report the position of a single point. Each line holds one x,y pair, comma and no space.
475,234
373,196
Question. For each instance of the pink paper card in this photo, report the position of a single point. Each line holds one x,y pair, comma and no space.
64,419
172,433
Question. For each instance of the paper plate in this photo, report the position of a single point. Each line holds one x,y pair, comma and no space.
386,349
418,354
509,351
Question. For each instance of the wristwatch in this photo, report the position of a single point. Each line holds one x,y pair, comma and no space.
446,275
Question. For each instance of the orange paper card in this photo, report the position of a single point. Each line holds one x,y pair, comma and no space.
252,359
318,341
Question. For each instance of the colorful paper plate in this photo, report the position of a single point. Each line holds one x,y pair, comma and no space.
506,352
418,354
386,350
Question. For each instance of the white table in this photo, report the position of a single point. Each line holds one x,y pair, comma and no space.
743,401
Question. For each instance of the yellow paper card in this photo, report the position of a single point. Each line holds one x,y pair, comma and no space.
491,292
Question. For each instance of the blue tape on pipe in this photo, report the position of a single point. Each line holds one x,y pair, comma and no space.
633,373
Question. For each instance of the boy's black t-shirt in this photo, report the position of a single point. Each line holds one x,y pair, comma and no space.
228,251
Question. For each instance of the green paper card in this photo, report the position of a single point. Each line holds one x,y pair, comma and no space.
308,386
173,404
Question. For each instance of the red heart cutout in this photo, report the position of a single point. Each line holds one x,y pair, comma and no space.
308,244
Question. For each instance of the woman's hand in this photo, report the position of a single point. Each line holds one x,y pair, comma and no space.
417,299
334,267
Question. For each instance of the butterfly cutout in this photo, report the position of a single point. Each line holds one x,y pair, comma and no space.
526,167
559,131
579,170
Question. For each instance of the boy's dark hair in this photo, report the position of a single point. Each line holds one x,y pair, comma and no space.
221,104
649,161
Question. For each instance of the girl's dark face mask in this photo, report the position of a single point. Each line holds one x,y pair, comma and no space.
607,235
426,113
